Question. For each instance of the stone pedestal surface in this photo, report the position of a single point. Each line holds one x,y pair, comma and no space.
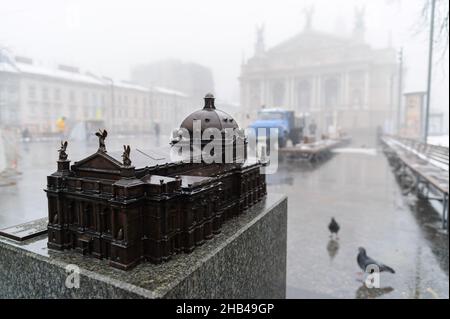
246,260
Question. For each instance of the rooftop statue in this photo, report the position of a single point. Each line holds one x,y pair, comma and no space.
308,12
62,151
359,18
126,155
101,134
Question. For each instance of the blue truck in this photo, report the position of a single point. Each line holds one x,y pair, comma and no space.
290,127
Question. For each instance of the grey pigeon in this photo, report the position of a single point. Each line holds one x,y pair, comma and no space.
333,226
364,261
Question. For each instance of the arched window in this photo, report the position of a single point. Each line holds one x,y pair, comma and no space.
304,95
356,98
331,90
255,94
88,218
278,94
106,221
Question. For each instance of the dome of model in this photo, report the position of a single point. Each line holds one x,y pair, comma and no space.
210,117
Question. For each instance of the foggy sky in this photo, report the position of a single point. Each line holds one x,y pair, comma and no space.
108,37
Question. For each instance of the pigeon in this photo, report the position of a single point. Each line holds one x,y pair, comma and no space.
333,227
364,261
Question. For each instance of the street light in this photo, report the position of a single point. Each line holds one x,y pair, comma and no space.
430,69
400,89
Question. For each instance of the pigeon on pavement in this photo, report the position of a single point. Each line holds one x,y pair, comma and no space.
333,227
364,261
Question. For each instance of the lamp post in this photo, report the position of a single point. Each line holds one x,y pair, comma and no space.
430,69
400,90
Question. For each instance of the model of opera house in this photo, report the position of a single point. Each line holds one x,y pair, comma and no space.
140,206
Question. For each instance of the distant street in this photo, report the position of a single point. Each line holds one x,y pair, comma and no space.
356,187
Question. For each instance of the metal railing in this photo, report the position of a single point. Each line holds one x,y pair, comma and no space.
420,168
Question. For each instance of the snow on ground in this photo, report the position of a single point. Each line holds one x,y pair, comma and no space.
438,140
366,151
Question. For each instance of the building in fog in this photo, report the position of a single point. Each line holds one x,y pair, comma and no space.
35,97
190,78
342,82
136,108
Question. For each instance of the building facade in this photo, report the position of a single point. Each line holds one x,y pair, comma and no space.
34,97
191,78
342,82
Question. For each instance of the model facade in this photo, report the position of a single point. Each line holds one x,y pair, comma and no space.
105,207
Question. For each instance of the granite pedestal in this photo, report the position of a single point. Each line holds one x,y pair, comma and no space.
246,260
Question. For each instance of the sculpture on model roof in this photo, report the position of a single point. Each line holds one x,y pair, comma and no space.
126,155
62,151
101,134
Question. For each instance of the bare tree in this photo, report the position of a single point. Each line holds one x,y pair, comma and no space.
441,23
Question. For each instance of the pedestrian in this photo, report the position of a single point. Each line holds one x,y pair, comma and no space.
2,153
26,135
157,131
312,128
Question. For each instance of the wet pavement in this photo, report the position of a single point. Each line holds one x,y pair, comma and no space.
356,186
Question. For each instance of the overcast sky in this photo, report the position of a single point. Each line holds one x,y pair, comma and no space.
109,37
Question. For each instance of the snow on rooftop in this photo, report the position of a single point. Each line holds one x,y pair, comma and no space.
58,74
7,67
76,76
168,91
130,85
7,62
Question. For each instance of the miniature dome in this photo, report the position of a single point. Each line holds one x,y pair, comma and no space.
210,117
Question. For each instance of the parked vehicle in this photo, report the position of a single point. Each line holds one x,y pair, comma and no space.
290,127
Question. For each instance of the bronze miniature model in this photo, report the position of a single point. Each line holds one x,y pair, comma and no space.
106,208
